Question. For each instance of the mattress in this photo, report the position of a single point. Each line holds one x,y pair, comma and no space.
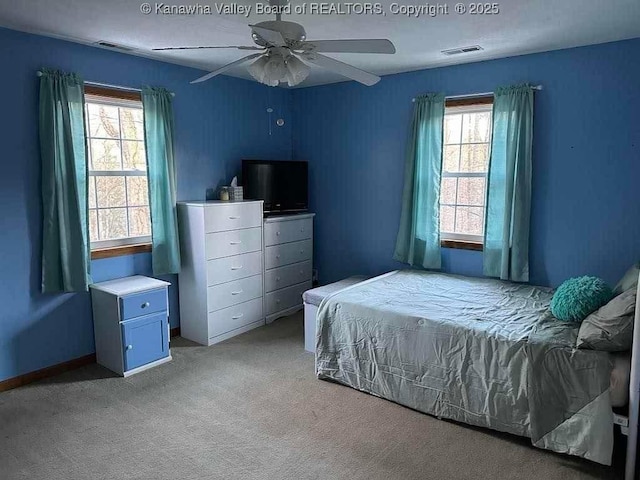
316,295
475,350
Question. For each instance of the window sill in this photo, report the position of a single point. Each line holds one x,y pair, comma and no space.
462,245
120,251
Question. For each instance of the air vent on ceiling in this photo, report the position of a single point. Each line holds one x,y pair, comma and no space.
458,51
113,46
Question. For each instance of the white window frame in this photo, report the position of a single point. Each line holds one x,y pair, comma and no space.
125,241
463,237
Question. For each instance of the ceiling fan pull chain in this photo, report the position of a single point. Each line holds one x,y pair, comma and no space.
269,111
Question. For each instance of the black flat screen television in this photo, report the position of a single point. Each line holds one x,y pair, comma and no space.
282,184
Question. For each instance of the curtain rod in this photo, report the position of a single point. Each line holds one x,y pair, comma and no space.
474,95
107,85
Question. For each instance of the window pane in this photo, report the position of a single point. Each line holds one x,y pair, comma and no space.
133,156
469,220
105,154
448,190
452,127
471,191
475,158
111,192
103,121
118,203
137,191
476,127
451,156
139,221
92,192
131,124
447,217
93,226
113,223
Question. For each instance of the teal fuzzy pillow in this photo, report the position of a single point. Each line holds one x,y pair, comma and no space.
578,297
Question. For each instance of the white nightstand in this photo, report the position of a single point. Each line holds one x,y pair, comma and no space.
131,323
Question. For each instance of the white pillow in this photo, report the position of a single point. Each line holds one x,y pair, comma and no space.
610,328
629,281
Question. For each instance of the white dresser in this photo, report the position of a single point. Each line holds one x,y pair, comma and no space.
288,265
221,280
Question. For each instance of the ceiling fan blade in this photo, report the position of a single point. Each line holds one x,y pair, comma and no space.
226,67
342,68
273,37
202,48
350,46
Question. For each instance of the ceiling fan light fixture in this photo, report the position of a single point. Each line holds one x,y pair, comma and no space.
256,69
297,71
275,69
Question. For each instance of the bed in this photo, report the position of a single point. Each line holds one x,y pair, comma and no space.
475,350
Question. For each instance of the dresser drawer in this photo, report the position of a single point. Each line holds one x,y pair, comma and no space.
287,231
221,217
236,242
228,319
227,269
277,278
143,303
287,253
285,298
232,293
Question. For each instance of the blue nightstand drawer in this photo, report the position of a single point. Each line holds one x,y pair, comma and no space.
145,340
143,303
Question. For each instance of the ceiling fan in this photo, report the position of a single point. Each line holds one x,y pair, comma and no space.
283,49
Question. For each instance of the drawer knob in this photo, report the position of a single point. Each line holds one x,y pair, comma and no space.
236,243
278,233
277,300
236,293
301,251
277,256
129,347
236,317
233,218
144,305
302,229
236,268
277,279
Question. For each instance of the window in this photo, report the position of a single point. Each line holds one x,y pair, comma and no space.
118,185
465,161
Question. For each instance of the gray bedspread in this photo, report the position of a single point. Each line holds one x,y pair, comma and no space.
479,351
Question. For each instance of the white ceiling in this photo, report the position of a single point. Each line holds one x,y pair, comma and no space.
522,26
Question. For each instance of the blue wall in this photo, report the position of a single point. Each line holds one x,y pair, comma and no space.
217,124
586,204
586,154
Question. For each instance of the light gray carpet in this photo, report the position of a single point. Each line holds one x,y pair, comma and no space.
249,408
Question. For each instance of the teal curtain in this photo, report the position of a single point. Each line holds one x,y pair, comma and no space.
65,243
418,240
161,169
506,238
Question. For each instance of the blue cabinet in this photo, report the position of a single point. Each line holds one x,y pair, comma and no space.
144,340
131,323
